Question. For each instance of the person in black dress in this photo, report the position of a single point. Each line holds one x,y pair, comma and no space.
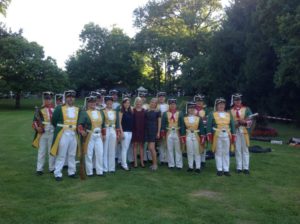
126,127
152,130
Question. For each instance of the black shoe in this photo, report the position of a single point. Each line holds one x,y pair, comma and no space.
198,171
73,176
39,173
238,171
189,170
227,174
203,164
58,178
246,172
219,173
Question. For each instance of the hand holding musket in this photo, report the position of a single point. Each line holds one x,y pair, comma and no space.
81,150
38,124
249,120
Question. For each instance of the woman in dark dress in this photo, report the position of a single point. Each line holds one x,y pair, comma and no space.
152,130
138,130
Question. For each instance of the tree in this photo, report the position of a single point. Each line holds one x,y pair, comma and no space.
177,27
23,67
106,59
3,6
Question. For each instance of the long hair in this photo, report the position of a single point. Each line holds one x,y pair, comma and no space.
123,110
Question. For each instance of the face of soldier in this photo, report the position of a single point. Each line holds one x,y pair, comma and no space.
58,102
109,104
173,106
237,103
92,105
70,100
161,99
191,111
98,101
115,97
153,104
221,107
200,103
47,102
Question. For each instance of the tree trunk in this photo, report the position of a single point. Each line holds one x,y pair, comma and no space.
18,100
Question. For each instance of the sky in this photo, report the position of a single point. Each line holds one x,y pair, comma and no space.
56,24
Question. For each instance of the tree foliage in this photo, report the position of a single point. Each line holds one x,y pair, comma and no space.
105,59
24,68
3,6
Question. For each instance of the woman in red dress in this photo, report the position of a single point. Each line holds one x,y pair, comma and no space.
138,130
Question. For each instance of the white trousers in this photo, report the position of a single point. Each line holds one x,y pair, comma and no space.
125,143
241,152
94,153
67,146
109,152
163,152
193,153
222,153
45,147
174,145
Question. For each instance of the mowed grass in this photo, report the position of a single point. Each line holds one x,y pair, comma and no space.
271,194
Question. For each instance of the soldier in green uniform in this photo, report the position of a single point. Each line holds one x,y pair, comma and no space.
65,139
112,135
92,129
44,133
221,132
194,137
241,114
172,129
202,112
163,107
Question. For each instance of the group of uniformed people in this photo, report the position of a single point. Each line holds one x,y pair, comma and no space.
110,132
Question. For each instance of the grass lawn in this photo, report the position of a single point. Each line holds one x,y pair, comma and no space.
271,194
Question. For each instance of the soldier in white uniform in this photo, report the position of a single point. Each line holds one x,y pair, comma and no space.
44,133
64,120
240,114
163,107
221,132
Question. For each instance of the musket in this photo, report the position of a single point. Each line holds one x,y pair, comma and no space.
82,162
38,117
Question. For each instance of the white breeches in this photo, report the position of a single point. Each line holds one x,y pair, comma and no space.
109,152
241,152
67,146
174,145
193,153
45,147
222,153
94,155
